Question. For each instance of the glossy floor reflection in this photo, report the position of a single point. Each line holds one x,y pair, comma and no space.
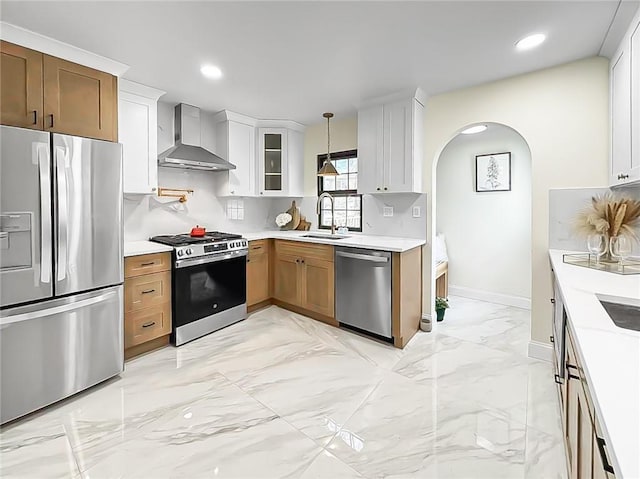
281,395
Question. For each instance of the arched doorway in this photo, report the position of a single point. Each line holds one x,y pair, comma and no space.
486,227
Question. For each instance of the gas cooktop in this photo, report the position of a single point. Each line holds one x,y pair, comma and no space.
187,239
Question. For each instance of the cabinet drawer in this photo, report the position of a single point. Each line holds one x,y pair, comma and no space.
147,290
146,324
258,247
304,250
146,263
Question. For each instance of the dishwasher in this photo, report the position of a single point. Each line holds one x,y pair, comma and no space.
363,290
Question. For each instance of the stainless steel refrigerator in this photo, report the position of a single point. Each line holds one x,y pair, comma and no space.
61,267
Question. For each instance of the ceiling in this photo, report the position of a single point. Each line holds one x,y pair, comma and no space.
296,60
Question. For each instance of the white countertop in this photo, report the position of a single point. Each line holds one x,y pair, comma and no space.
354,240
135,248
610,356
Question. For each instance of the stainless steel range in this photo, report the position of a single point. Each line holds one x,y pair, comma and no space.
209,283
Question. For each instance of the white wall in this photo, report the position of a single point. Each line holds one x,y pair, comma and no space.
563,115
488,234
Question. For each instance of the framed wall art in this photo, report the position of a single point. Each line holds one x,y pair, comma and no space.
493,172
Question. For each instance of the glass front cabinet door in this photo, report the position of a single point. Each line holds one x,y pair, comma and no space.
272,151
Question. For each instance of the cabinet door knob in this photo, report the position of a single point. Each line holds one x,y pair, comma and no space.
233,192
385,188
378,189
153,189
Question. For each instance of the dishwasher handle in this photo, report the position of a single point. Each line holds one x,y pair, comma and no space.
365,257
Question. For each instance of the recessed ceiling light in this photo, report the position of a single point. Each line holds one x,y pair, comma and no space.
211,71
474,129
532,41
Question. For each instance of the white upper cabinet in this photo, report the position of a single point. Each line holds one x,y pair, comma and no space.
391,144
137,131
624,77
236,143
280,153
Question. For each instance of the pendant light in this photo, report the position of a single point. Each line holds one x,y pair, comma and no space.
327,167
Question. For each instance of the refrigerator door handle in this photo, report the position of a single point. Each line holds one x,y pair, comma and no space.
63,219
50,311
44,167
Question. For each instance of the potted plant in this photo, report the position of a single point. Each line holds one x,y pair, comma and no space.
441,305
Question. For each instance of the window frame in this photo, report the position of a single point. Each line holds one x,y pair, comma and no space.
339,155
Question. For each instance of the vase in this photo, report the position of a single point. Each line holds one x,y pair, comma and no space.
440,314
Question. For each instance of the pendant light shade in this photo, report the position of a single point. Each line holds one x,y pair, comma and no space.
327,167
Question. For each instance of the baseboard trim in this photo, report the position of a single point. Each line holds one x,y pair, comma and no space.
538,350
488,296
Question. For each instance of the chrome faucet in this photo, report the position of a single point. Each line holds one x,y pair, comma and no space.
318,209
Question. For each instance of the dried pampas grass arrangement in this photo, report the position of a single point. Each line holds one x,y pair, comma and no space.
610,215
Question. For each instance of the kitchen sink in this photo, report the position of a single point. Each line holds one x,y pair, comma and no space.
329,237
624,312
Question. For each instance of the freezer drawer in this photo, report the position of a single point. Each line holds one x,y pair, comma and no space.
363,289
54,349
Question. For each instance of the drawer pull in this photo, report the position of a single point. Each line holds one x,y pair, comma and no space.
151,263
605,461
51,116
148,325
147,291
35,117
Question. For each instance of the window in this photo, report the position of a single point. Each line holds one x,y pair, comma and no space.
344,189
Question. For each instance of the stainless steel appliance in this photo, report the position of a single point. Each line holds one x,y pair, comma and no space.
209,283
61,267
363,290
187,152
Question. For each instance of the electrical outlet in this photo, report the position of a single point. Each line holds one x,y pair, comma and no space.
416,212
387,211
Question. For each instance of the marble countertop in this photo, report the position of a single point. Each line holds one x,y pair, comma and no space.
354,240
610,356
135,248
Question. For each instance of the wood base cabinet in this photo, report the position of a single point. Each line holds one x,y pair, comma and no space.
42,92
304,278
147,292
585,446
258,273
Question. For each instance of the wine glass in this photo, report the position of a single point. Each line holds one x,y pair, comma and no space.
597,244
620,248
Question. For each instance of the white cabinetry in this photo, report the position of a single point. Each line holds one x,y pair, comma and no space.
137,131
280,153
391,144
236,143
624,77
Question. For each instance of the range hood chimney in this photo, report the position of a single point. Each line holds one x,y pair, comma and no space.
187,152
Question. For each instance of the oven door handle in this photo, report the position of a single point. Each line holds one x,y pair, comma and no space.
185,263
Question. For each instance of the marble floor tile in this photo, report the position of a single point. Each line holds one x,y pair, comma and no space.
282,395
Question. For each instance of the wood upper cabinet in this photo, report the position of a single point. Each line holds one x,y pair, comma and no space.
21,101
258,272
79,100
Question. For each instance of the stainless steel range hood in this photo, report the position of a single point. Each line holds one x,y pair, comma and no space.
187,152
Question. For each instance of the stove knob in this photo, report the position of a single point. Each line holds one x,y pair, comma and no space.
189,251
180,252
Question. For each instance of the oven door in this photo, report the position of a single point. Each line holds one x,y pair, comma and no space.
207,286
